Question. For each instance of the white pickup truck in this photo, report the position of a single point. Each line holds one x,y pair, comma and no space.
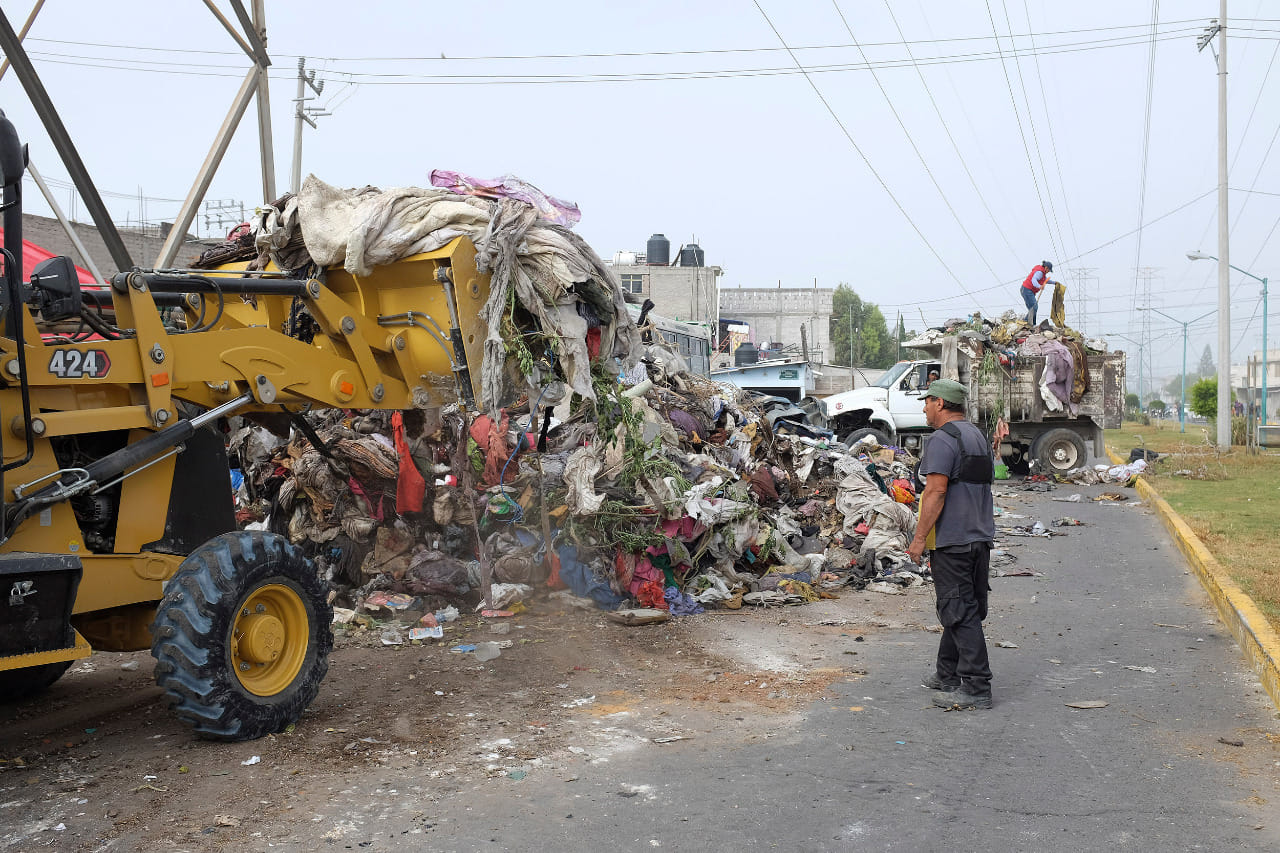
1052,441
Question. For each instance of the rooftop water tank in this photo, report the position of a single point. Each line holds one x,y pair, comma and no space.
692,256
658,251
746,353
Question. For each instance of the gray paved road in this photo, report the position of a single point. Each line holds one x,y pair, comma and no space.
1147,772
872,765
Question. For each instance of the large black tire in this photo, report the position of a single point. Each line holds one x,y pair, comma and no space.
858,434
1059,451
242,637
16,684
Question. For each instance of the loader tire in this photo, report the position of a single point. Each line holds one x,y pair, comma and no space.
17,684
242,637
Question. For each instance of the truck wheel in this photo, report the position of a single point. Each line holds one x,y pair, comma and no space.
18,684
1059,451
242,637
858,434
1018,462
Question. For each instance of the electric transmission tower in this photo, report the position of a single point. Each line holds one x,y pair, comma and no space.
1145,276
1083,276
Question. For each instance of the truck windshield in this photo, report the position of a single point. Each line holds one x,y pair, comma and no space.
893,374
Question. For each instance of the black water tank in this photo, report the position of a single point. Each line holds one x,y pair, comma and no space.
746,353
657,251
692,256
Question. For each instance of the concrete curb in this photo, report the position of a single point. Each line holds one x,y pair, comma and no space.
1257,639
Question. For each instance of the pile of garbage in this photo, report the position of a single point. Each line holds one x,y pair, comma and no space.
666,492
596,463
1066,374
553,311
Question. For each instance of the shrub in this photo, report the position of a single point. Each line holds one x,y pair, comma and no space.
1204,398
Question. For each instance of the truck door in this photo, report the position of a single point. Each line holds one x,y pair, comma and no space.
906,398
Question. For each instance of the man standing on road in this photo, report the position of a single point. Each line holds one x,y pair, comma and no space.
956,508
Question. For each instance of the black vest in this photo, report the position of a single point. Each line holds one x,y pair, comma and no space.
976,468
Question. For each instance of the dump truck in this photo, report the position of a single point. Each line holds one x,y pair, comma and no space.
118,530
1004,393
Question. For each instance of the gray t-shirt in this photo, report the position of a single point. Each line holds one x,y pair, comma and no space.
968,514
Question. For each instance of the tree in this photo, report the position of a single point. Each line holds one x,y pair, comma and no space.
869,341
1174,386
1132,402
1206,369
1204,398
1156,406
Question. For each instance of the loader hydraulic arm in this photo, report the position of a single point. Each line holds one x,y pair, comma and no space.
408,334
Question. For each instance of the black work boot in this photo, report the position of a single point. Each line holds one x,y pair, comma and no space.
933,682
959,700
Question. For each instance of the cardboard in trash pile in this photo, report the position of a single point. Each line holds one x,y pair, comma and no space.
638,616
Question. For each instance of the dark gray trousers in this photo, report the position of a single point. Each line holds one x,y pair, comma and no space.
960,575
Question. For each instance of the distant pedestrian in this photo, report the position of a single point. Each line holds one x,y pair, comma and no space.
1033,285
957,509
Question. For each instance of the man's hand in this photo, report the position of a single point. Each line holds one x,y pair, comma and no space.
916,551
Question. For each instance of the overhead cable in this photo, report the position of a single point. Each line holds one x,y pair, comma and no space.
866,161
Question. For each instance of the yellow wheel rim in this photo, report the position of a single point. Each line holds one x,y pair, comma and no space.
269,639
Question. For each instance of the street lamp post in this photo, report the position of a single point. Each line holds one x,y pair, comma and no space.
1201,256
1182,407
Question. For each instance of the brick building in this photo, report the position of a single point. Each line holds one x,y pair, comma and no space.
143,243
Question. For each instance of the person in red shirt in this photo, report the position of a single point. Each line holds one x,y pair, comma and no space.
1035,282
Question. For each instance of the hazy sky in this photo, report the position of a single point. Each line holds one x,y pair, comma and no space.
987,155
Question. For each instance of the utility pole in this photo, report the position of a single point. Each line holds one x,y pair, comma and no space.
305,113
1224,247
222,212
1219,28
851,381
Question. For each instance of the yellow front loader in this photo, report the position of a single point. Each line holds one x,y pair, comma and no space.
118,531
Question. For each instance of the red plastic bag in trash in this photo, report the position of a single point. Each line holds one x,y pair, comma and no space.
410,486
553,580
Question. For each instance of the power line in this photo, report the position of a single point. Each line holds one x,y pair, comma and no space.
66,184
1059,246
947,129
392,79
1013,102
1191,25
1256,175
916,149
1053,144
865,160
1084,254
1146,147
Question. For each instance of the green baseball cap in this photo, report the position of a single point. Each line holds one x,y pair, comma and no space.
947,389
